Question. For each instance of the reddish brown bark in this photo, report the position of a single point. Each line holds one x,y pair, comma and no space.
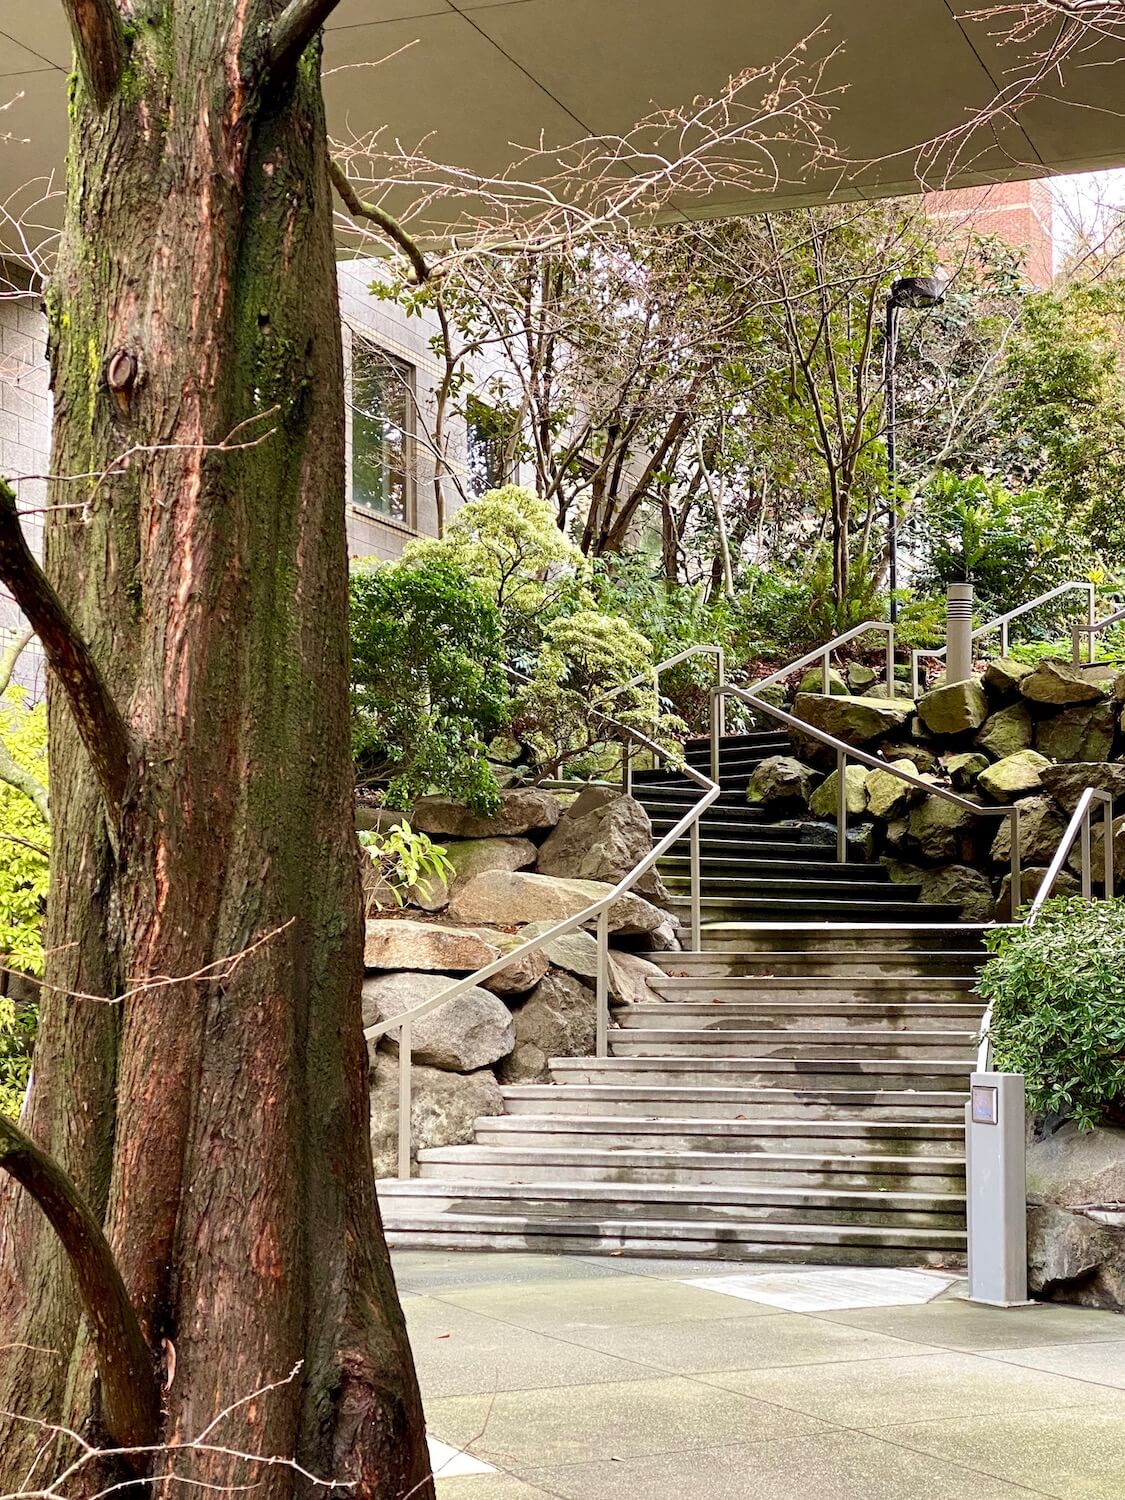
218,1125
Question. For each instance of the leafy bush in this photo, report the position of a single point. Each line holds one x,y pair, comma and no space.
428,683
1057,991
508,542
403,859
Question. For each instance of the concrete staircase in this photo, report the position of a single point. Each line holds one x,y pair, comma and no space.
795,1092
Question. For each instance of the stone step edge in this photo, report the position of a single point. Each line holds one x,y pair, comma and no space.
687,1125
852,1066
703,1094
748,1195
715,1160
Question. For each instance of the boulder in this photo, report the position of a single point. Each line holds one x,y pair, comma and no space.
920,758
1003,676
954,708
1076,1239
601,837
509,898
941,829
1119,687
471,857
780,779
813,681
1066,783
861,677
1083,733
522,974
577,953
556,1020
665,938
1014,776
964,767
397,943
630,977
823,800
470,1032
960,886
1030,881
1059,683
443,1107
1005,732
888,796
856,721
523,810
505,749
1041,830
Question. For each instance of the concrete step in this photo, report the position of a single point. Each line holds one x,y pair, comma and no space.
853,1138
891,989
837,1014
821,1169
794,885
677,1101
811,1046
837,1073
723,910
720,862
840,938
686,1202
876,967
700,744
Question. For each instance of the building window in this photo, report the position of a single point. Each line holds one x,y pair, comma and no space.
486,446
383,413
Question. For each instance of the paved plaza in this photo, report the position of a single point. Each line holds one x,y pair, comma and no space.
622,1379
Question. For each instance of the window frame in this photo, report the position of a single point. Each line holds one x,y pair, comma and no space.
361,342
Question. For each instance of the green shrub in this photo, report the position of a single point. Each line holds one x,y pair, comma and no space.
1057,990
428,682
404,858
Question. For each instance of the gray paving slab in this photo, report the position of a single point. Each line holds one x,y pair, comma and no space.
953,1323
1100,1363
602,1303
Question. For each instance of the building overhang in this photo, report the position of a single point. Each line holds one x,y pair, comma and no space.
480,80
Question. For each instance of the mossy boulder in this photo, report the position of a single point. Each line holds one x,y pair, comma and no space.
1031,879
813,681
1006,731
963,767
961,886
1003,676
941,829
1041,829
1057,682
823,800
1015,776
954,708
780,780
1067,782
888,795
1082,733
861,677
856,721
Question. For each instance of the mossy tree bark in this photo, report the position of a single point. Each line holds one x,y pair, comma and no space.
216,1126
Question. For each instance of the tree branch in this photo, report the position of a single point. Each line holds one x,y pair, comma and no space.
103,730
130,1393
10,769
99,42
292,32
386,223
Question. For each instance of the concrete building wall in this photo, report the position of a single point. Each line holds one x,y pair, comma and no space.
1021,214
25,444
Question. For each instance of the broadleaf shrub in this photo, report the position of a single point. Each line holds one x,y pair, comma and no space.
1057,990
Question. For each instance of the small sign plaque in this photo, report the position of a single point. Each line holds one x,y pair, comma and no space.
986,1104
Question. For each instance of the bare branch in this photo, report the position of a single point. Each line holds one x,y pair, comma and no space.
99,41
103,730
11,656
292,32
386,222
128,1377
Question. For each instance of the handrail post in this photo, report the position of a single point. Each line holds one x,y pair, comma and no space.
1017,858
1076,643
1091,620
696,904
914,682
841,808
716,712
627,767
719,705
1004,638
891,661
602,1023
826,673
405,1067
1107,847
1087,872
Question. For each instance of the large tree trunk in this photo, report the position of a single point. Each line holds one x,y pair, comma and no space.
217,1125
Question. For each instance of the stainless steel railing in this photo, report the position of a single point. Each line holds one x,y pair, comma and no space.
1079,827
1090,629
654,674
1002,623
597,911
823,655
846,753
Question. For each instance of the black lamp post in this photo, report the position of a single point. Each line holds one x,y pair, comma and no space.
916,293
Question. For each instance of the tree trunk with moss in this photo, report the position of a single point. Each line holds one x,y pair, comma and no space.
201,788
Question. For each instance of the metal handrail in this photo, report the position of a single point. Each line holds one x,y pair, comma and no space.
845,753
1001,623
404,1022
1091,628
663,666
823,654
1079,825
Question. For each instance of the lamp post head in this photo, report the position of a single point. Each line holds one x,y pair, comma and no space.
918,292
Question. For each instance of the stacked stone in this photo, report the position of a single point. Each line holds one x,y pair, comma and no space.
1029,736
517,873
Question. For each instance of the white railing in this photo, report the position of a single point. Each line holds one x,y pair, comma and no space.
1079,827
846,753
597,911
823,655
654,674
1090,629
1002,622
